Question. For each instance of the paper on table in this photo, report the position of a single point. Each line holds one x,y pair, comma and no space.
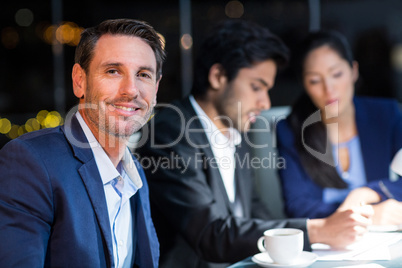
367,265
385,228
373,246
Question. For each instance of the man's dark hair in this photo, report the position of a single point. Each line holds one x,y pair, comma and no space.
90,36
236,44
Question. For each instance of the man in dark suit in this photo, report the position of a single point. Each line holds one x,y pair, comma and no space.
197,163
74,196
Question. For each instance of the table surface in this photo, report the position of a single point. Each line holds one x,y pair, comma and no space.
395,262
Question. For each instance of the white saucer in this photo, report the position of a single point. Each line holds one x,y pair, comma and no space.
305,259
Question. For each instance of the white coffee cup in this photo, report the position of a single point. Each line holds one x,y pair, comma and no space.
283,245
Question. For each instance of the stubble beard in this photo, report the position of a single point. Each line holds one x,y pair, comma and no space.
227,107
109,125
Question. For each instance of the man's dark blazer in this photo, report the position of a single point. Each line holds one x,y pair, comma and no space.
53,210
192,214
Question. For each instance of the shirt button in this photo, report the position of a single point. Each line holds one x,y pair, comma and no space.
121,243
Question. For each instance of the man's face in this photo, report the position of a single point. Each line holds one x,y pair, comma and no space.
120,86
246,95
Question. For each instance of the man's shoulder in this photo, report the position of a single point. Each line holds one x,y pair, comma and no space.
42,137
175,125
284,132
172,118
43,143
176,110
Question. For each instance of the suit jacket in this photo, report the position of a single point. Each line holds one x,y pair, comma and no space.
192,213
379,126
53,210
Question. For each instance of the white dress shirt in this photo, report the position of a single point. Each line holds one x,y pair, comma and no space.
119,185
223,148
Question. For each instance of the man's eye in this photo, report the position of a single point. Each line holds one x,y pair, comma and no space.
255,88
313,82
112,71
144,75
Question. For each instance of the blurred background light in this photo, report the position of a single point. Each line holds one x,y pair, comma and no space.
43,119
396,57
52,119
32,124
186,41
13,133
234,9
21,130
9,37
24,17
5,125
41,116
67,33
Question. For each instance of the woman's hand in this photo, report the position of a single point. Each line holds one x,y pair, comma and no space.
358,197
388,212
342,228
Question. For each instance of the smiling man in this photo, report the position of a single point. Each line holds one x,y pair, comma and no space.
74,195
205,209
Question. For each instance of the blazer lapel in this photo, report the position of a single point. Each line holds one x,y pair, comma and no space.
147,240
201,138
368,136
93,183
241,179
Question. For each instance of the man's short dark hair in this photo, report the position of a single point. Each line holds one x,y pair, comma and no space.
129,27
236,44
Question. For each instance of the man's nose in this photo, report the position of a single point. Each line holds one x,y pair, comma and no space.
264,102
129,86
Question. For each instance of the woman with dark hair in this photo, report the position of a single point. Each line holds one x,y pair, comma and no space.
333,142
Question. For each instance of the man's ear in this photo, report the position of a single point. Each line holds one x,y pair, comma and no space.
79,81
217,77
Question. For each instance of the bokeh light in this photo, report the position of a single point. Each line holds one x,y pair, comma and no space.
43,119
5,125
41,116
32,124
13,133
186,41
52,119
21,130
396,57
234,9
9,37
67,33
24,17
48,34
